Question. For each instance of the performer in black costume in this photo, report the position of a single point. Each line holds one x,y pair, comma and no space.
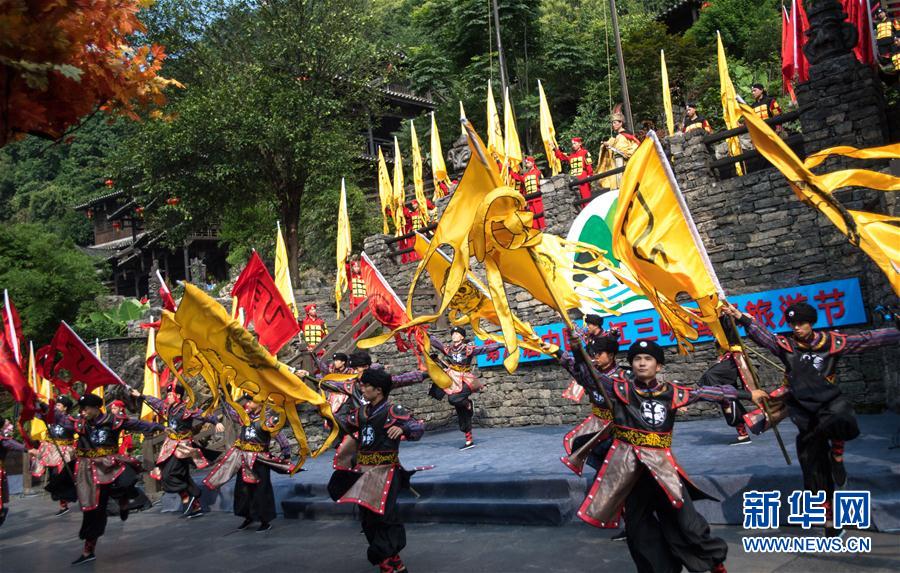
252,462
101,472
7,444
640,472
57,452
458,357
378,477
179,452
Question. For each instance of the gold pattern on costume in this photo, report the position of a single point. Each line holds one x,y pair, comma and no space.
645,439
377,458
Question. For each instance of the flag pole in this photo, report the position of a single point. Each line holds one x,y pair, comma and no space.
750,377
623,80
500,55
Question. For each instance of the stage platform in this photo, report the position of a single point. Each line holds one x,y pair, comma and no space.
514,476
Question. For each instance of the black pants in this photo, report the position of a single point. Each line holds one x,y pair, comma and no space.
93,522
176,476
60,484
464,409
385,533
835,420
664,539
255,501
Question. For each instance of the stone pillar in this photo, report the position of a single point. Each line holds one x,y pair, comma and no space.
559,204
843,101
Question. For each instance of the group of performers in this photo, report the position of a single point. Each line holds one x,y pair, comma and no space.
627,439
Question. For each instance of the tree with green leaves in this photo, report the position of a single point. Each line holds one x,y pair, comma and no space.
272,116
48,278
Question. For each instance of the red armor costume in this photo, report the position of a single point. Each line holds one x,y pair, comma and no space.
357,284
580,165
530,182
314,328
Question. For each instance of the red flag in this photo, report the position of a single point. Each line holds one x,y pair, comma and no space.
787,54
386,307
68,352
264,306
864,30
12,326
801,25
167,299
13,378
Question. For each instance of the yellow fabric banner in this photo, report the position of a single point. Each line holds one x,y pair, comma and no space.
37,429
495,145
512,149
343,250
652,238
548,133
206,342
399,197
666,93
385,192
283,272
418,180
730,111
877,235
151,378
438,167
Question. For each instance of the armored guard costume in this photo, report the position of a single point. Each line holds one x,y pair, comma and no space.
693,121
7,444
581,166
813,399
589,441
179,452
616,151
57,452
458,357
377,478
250,459
529,183
313,328
641,475
101,472
345,393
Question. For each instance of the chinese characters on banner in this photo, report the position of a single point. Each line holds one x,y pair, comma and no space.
839,304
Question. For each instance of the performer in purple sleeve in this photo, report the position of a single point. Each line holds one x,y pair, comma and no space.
640,473
378,477
458,357
351,393
590,440
101,472
56,452
7,444
810,392
179,452
252,462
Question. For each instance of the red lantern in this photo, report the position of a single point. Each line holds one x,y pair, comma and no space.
89,213
139,211
117,226
173,201
109,182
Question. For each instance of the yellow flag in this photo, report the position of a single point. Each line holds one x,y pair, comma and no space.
876,234
344,248
654,240
151,378
489,221
399,192
37,431
418,180
473,303
462,115
209,344
512,150
99,390
438,167
730,110
548,133
283,272
666,93
385,191
495,135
